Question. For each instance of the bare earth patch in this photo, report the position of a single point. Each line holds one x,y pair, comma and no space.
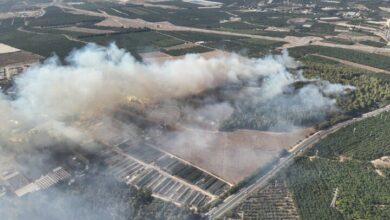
135,23
181,46
383,162
230,155
380,173
343,158
159,56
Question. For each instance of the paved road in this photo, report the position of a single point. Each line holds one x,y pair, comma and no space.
234,200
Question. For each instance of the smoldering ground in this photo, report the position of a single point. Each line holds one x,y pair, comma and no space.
66,100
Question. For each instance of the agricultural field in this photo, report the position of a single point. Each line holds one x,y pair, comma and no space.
369,59
169,178
372,90
179,13
218,152
53,44
184,51
204,165
338,40
272,202
152,154
373,43
346,160
243,45
343,160
111,200
55,16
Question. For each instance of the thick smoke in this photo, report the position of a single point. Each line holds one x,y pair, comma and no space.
78,100
94,80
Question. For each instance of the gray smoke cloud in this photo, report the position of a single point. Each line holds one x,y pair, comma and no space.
94,80
78,99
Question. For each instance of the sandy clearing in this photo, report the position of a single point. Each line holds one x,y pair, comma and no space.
22,14
384,9
156,56
181,46
4,48
230,155
134,23
383,162
86,30
299,41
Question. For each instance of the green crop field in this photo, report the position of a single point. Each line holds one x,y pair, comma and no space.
55,16
136,42
338,40
362,194
373,43
372,90
42,44
180,52
370,59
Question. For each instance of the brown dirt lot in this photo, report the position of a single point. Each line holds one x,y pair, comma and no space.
230,155
156,56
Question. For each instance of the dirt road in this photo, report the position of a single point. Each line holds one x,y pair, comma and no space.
291,41
361,47
358,65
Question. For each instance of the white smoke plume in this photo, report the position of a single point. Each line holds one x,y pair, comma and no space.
95,79
62,99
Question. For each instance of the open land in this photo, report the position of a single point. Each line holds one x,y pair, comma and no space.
218,151
343,42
